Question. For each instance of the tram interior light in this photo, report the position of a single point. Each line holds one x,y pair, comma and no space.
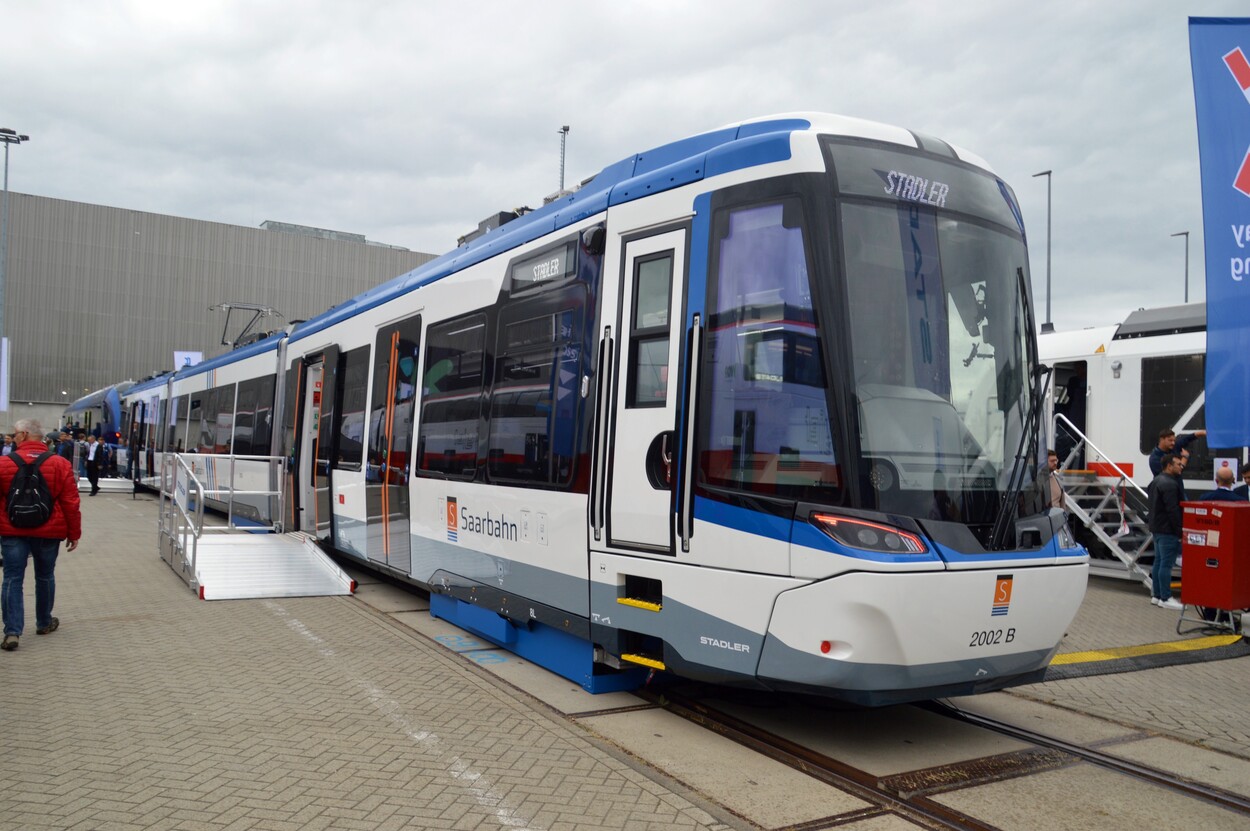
870,536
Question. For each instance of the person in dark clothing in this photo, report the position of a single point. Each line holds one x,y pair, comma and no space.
65,446
1223,488
94,458
1169,442
1243,490
1165,525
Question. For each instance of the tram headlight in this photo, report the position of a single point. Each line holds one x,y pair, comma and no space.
870,536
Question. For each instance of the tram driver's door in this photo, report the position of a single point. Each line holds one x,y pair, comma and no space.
643,451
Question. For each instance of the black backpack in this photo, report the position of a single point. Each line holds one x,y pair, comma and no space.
30,502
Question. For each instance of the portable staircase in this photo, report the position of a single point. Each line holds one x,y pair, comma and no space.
1113,508
232,561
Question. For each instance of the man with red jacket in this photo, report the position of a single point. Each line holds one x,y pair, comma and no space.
41,543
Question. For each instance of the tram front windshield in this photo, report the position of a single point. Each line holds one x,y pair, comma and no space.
935,267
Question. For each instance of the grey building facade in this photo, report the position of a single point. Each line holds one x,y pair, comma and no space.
95,295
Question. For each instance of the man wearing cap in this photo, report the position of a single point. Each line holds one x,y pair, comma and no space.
41,543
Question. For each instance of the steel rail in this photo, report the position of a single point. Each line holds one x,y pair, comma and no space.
857,782
1206,793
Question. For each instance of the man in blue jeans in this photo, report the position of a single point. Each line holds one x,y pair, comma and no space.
1165,524
41,543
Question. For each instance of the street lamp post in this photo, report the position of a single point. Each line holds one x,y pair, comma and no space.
8,137
564,135
1047,326
1185,234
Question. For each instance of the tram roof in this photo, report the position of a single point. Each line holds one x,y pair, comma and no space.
1165,320
98,397
668,166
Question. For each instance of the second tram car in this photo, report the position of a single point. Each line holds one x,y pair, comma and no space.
761,406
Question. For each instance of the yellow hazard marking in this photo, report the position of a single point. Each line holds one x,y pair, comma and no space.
641,604
1210,642
644,660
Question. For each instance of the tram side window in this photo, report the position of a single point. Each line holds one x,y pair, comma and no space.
648,361
533,407
451,398
177,406
224,422
161,418
244,416
195,419
766,423
351,410
262,419
178,442
208,421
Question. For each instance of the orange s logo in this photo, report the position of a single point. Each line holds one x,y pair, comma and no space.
1002,595
453,520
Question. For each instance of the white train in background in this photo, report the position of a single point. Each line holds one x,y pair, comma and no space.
754,407
1124,383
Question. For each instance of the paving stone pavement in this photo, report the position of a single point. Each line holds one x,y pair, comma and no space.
1206,703
152,709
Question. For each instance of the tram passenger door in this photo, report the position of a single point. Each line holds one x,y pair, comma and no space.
643,447
388,464
316,444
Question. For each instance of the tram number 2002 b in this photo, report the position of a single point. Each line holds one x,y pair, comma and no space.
990,637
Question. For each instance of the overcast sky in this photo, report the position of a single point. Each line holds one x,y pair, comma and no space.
410,121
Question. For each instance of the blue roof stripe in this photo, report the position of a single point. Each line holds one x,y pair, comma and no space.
668,166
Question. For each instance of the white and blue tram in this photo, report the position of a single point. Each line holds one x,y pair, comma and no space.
760,407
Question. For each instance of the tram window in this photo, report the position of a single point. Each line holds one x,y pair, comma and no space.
224,424
351,410
179,441
533,407
262,420
195,418
208,421
451,398
766,425
649,331
161,417
394,398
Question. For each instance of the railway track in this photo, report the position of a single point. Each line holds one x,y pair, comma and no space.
912,795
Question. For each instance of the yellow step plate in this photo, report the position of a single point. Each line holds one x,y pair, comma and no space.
641,604
643,660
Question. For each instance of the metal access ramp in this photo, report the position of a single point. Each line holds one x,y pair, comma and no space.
1114,509
230,560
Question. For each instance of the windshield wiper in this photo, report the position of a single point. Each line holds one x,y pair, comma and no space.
1041,383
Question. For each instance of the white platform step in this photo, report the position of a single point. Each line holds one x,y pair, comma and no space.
239,565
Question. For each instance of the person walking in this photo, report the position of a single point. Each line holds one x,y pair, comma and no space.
1165,525
41,543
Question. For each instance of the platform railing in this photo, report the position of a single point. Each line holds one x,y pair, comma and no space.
1131,557
183,496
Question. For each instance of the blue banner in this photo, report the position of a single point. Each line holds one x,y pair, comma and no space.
1219,49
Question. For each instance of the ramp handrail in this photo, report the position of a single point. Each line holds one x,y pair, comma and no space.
183,495
1130,560
1084,439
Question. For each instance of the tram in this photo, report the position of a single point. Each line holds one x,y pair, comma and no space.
761,406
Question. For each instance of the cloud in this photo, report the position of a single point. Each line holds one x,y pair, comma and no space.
409,122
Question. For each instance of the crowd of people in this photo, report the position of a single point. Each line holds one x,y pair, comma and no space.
87,453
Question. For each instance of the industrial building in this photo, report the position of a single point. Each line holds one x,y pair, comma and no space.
95,294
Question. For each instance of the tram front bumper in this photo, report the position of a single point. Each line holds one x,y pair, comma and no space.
881,638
